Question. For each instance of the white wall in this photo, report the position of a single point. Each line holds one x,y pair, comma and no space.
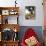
22,3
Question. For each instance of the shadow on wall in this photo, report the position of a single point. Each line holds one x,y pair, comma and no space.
37,29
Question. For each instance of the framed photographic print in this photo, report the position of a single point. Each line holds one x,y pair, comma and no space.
5,12
30,12
13,12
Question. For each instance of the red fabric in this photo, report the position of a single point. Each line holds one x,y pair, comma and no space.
29,33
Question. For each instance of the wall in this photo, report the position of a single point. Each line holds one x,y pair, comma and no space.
22,3
39,13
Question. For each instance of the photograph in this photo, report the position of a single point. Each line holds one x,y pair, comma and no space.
30,12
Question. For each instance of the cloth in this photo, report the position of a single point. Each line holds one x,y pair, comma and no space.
29,34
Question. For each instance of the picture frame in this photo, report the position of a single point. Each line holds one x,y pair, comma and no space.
5,12
13,12
30,12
